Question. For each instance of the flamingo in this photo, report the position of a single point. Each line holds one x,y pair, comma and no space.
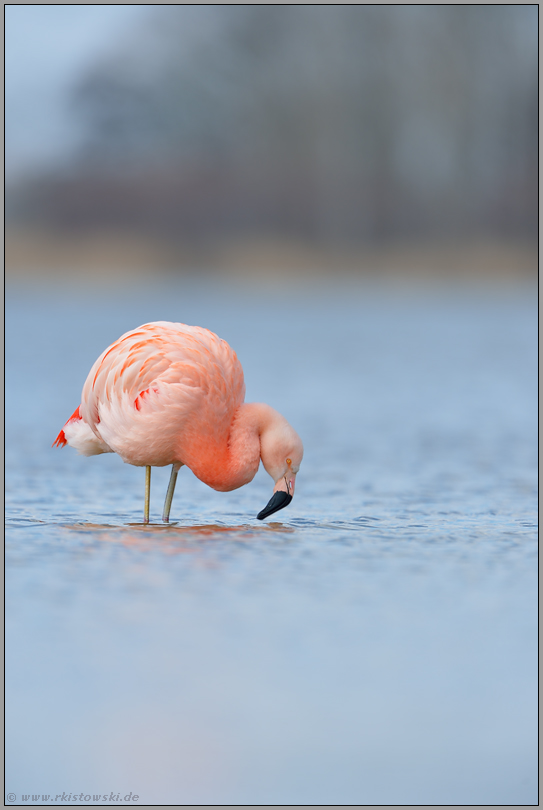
167,393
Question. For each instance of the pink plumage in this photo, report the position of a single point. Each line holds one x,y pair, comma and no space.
168,393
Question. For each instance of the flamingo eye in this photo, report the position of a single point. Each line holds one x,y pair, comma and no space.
289,461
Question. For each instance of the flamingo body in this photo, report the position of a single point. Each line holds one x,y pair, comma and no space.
168,393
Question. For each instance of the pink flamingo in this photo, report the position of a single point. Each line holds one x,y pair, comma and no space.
167,393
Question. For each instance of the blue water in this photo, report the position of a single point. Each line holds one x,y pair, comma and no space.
373,643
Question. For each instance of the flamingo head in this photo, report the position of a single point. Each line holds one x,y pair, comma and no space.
281,451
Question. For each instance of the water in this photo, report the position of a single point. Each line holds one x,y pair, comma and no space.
374,643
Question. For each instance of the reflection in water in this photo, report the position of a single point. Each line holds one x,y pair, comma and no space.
172,538
375,646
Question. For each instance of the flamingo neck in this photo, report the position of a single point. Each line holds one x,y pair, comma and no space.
232,463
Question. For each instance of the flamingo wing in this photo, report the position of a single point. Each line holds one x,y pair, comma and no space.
159,384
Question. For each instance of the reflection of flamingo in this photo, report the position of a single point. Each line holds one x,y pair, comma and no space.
167,393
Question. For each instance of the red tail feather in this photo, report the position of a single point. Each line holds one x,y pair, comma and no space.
61,441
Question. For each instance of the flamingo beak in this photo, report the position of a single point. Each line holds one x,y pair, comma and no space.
282,496
277,501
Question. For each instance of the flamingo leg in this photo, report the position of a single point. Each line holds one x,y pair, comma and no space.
147,495
169,493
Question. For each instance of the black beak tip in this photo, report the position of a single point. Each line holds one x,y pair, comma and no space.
278,501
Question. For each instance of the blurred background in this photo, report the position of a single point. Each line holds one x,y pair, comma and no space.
364,137
347,195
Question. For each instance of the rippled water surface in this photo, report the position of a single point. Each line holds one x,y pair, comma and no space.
373,643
